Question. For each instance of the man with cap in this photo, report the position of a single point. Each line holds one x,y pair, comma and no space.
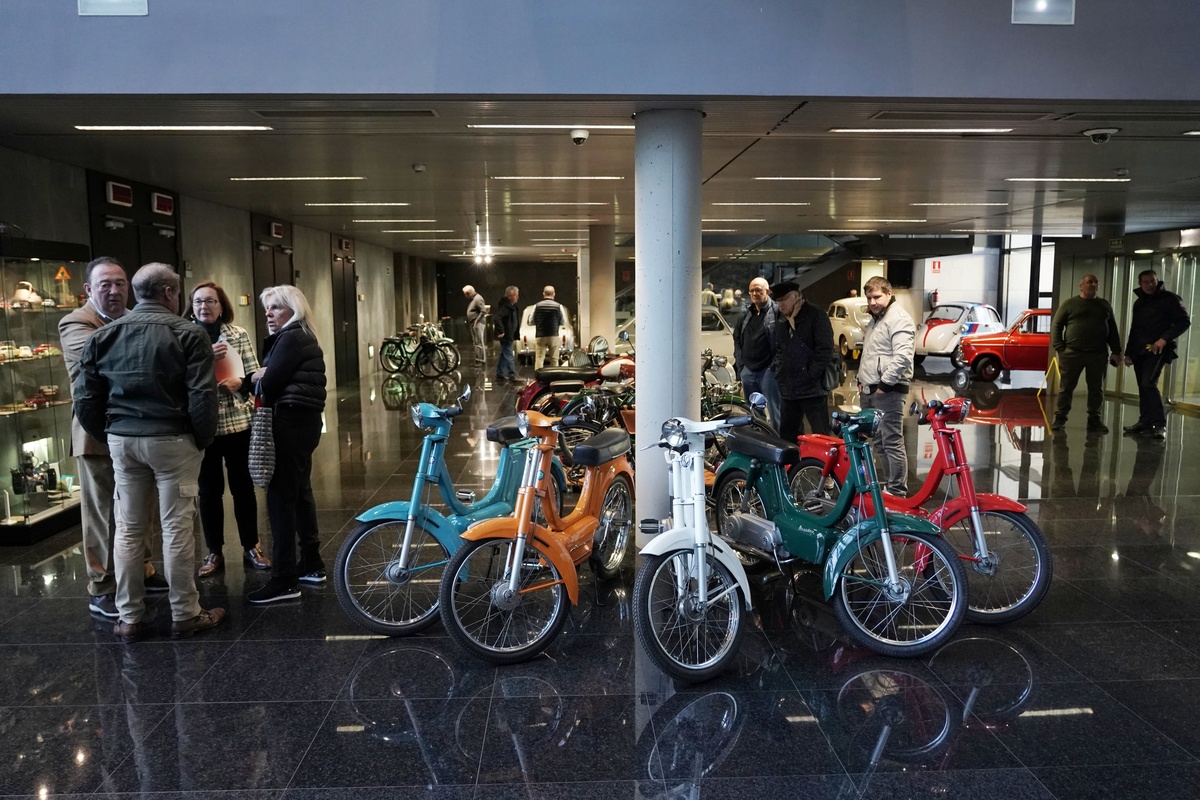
803,347
884,372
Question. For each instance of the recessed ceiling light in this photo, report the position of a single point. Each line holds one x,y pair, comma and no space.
422,230
390,221
810,178
306,178
886,220
439,240
958,204
558,177
559,203
718,230
590,127
356,204
920,130
1068,180
1143,252
756,219
762,204
168,128
557,230
544,219
560,244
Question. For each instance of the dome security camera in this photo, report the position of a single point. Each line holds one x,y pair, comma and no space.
579,136
1101,135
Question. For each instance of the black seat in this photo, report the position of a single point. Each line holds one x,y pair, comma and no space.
603,447
761,446
552,374
504,431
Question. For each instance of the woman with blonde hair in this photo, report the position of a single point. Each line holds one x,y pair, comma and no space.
292,382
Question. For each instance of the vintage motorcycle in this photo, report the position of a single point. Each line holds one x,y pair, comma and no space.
389,568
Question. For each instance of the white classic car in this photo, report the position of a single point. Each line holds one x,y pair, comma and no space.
940,332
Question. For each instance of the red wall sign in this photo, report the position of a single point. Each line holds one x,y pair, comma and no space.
162,204
937,267
119,194
276,230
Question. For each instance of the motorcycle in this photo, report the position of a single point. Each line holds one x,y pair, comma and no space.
1009,566
388,570
553,387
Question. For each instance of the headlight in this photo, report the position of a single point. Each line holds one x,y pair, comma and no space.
674,434
523,424
416,417
721,361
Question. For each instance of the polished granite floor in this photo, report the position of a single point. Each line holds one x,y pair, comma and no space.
1094,695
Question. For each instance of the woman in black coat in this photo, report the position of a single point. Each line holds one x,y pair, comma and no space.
292,382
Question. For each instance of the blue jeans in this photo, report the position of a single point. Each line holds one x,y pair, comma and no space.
763,380
506,364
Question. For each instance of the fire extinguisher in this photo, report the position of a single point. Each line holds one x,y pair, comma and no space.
933,299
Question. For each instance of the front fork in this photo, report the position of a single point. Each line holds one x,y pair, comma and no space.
516,553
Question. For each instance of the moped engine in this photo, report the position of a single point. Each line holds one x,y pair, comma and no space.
755,535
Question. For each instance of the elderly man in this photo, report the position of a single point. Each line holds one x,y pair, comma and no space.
1084,336
508,328
476,320
803,347
884,372
107,290
754,347
547,325
147,381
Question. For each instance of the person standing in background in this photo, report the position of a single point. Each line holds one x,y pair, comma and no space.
508,327
547,329
107,290
476,321
1082,333
754,347
209,307
709,297
1158,319
884,372
803,347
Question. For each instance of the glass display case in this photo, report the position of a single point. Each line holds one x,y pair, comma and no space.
40,283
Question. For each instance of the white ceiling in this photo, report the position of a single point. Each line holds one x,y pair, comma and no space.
381,139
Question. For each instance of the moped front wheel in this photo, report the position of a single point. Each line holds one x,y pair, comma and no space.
1014,577
372,588
616,523
491,622
911,619
687,641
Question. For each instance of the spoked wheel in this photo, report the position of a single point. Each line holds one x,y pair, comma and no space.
818,495
616,522
432,361
913,618
485,618
1016,574
728,494
890,713
375,591
389,358
689,642
453,357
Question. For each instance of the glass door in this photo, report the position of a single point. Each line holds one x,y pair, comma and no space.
1182,378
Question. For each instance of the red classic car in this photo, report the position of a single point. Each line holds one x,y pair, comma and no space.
1025,345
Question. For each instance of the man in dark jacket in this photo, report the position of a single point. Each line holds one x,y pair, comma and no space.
1083,333
803,348
508,327
1159,318
754,347
147,383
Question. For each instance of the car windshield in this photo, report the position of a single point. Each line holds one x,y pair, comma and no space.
946,314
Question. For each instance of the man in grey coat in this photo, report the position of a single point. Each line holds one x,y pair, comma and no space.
884,372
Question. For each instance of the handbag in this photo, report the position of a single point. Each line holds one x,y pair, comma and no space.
262,443
831,378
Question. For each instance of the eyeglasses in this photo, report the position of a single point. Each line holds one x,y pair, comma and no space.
210,302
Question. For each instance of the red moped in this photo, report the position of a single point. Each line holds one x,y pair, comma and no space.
1008,564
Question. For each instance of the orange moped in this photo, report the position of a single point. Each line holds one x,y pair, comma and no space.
506,592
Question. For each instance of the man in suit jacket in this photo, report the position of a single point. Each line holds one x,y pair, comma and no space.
107,289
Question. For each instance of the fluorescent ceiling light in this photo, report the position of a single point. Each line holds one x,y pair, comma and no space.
841,230
557,230
306,178
920,130
983,230
560,244
423,230
734,220
885,220
762,204
389,221
557,239
356,204
1143,252
439,240
1191,133
543,219
200,128
1068,180
958,204
558,177
559,203
718,230
514,127
810,178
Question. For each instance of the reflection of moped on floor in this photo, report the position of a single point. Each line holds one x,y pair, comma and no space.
1008,564
690,737
506,592
389,568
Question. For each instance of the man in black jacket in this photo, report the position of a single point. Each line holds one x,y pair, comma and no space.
1159,318
508,327
147,384
803,348
754,347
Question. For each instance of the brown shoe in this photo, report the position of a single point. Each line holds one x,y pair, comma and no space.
211,566
206,619
256,558
131,631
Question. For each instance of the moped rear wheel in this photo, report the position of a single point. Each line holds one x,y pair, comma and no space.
372,589
487,622
688,643
1015,576
616,522
913,619
727,496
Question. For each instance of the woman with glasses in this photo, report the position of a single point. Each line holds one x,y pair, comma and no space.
235,360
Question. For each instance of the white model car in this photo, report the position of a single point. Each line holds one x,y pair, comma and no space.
525,346
849,318
715,334
940,332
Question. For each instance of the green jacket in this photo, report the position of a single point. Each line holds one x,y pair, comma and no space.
1084,326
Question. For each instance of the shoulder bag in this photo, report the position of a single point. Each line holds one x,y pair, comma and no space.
262,443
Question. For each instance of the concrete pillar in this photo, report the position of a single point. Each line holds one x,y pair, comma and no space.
667,283
583,287
602,307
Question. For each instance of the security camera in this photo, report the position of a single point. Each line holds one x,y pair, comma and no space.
579,136
1101,135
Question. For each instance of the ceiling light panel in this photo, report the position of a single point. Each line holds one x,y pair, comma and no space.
342,205
587,125
920,130
809,178
558,177
306,178
1068,180
761,204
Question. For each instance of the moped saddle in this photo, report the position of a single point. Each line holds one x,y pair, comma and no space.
504,431
604,446
552,374
761,446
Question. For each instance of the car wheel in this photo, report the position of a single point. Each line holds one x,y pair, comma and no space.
960,379
844,346
988,368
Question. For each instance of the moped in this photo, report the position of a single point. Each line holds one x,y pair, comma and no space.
388,570
506,592
553,387
1008,564
897,586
